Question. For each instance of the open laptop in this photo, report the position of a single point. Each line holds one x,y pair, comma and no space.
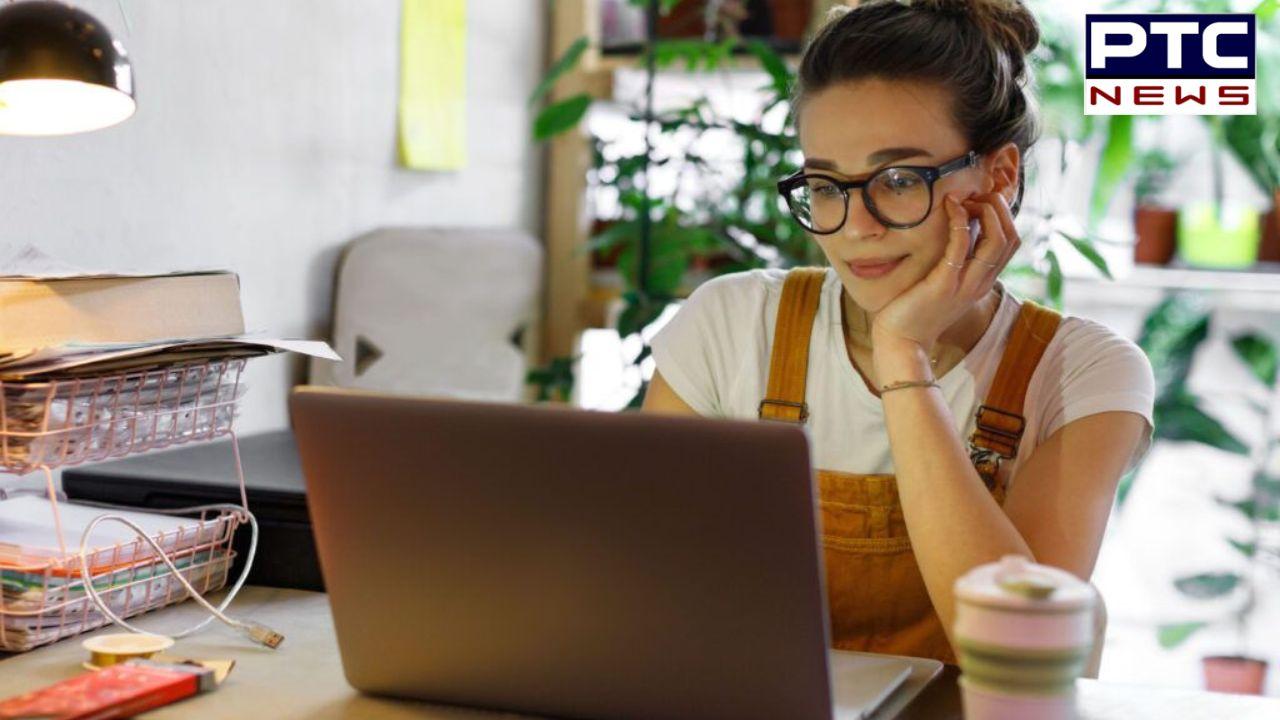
563,562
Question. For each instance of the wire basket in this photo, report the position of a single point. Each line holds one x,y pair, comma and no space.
58,423
45,600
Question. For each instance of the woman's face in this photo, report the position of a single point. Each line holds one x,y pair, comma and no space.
852,129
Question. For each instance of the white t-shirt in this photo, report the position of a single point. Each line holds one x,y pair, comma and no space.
715,352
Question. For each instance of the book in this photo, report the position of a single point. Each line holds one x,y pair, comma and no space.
45,312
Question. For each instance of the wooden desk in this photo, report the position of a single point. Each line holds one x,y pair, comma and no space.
303,678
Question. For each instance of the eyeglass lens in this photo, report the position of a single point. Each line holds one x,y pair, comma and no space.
898,196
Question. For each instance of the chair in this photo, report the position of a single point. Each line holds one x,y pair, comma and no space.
436,312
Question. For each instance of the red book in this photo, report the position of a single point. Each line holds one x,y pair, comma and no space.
119,691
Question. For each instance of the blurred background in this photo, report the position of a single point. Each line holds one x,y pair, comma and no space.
510,204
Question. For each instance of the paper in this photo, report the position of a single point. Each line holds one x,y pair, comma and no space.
28,536
131,356
433,114
29,261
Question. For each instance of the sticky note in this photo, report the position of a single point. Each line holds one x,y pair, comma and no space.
432,122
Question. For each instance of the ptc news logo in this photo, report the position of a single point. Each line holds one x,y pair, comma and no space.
1170,64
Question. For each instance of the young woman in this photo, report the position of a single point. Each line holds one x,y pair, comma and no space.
951,421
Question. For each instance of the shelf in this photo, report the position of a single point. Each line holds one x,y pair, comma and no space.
1252,289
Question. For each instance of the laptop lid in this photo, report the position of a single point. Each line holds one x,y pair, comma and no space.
556,561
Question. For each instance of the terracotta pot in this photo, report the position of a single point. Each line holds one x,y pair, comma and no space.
1157,231
791,18
1234,674
684,21
1269,245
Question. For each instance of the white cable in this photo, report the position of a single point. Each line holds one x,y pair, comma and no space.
258,633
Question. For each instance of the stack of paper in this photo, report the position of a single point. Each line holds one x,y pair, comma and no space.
60,321
42,594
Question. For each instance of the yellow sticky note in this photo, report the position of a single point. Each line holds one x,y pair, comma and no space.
432,126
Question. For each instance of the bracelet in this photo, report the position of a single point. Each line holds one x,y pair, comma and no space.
907,384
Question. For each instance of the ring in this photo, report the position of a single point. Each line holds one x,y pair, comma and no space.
959,227
961,266
975,258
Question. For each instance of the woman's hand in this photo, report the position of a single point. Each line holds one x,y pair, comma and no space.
915,319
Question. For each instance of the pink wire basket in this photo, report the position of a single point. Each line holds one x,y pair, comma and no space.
45,600
48,424
58,423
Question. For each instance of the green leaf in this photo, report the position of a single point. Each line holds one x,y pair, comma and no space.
1171,334
1259,354
772,64
1054,279
1208,585
1246,549
1085,247
1180,418
559,117
1125,487
1266,10
616,234
564,64
1171,636
638,314
1117,153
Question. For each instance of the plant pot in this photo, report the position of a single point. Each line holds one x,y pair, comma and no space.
1269,245
1225,237
1156,229
791,18
684,21
1234,674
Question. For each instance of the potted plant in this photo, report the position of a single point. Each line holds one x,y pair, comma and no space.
1242,673
1155,224
1171,336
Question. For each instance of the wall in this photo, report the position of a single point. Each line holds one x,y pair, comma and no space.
264,140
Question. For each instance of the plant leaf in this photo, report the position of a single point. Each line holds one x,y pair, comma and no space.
1125,487
1054,279
1180,418
1246,549
773,65
1171,334
561,116
564,64
1259,354
1085,247
1207,585
1171,636
1117,154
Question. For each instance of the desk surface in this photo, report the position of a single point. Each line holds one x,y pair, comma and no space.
303,678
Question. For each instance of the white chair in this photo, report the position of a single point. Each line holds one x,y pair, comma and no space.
437,312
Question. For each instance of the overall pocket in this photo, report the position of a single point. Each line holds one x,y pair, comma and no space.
874,587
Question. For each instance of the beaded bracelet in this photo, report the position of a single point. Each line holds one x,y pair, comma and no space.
907,384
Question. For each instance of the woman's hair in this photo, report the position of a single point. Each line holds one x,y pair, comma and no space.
977,49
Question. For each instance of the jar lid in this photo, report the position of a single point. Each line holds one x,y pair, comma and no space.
1016,582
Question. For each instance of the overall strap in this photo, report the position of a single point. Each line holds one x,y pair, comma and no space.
789,361
1000,422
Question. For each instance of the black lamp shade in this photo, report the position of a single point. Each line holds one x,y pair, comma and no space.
60,71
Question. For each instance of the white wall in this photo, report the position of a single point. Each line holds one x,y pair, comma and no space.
264,140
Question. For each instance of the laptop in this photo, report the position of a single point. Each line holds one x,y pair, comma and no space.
553,561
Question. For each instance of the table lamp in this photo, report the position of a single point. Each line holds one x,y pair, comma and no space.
60,71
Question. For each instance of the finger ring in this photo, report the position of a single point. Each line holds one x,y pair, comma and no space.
975,258
954,265
959,227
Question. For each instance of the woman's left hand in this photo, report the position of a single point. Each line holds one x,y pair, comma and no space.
920,314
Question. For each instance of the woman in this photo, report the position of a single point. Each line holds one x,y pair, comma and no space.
951,422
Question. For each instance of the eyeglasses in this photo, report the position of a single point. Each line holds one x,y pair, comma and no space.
899,197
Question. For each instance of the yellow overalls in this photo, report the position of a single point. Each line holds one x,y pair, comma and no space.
875,593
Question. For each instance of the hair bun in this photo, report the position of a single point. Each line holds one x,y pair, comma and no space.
1007,22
